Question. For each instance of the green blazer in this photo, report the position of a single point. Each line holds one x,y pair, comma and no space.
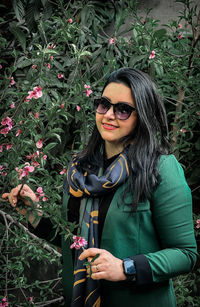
161,232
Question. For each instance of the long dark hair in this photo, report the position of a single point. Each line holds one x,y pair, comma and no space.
150,137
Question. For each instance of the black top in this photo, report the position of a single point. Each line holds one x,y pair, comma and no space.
45,226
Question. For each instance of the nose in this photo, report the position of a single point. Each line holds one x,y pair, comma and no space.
110,113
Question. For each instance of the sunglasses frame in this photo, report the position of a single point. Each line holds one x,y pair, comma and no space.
115,105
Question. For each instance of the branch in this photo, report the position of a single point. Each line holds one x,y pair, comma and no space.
44,245
181,94
196,36
60,299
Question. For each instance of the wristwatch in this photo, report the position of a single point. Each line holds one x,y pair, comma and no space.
129,269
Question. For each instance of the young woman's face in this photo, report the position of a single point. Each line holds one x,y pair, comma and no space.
112,129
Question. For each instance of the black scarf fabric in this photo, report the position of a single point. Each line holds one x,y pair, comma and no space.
90,187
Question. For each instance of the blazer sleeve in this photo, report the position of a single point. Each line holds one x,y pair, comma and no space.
172,218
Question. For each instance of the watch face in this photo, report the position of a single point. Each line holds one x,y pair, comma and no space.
129,268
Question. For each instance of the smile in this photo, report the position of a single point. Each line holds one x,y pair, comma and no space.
109,126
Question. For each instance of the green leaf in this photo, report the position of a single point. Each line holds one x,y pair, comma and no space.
160,33
19,9
49,51
50,146
22,64
18,34
158,68
85,53
136,58
197,145
58,65
57,136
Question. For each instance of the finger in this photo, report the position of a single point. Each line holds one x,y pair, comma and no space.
96,268
5,195
98,275
90,252
15,191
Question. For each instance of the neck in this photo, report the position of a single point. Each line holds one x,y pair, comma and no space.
112,149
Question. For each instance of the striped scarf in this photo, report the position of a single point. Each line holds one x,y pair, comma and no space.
90,187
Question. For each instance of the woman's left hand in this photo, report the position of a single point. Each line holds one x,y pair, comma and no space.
106,266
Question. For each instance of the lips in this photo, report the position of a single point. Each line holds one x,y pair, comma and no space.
109,126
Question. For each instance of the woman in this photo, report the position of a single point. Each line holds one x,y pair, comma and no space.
131,200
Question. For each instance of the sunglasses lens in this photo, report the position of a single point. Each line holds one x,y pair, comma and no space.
123,111
101,105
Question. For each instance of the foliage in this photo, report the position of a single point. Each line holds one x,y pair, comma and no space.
60,47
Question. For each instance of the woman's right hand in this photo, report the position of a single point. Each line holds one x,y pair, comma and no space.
17,194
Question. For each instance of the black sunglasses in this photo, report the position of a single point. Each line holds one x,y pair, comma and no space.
121,110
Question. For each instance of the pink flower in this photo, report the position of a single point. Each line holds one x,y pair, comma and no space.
129,43
35,164
34,66
45,198
39,193
62,106
78,242
51,57
51,46
12,106
39,143
36,115
1,66
21,122
36,93
7,121
12,81
1,168
78,108
183,130
8,146
31,299
44,157
86,86
5,131
70,20
112,41
4,303
180,26
1,148
152,55
180,36
19,131
63,171
48,65
198,224
24,172
88,92
28,168
60,76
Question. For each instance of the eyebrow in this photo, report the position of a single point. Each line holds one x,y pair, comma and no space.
128,103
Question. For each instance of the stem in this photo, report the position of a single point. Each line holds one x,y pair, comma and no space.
181,94
6,275
44,245
60,299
